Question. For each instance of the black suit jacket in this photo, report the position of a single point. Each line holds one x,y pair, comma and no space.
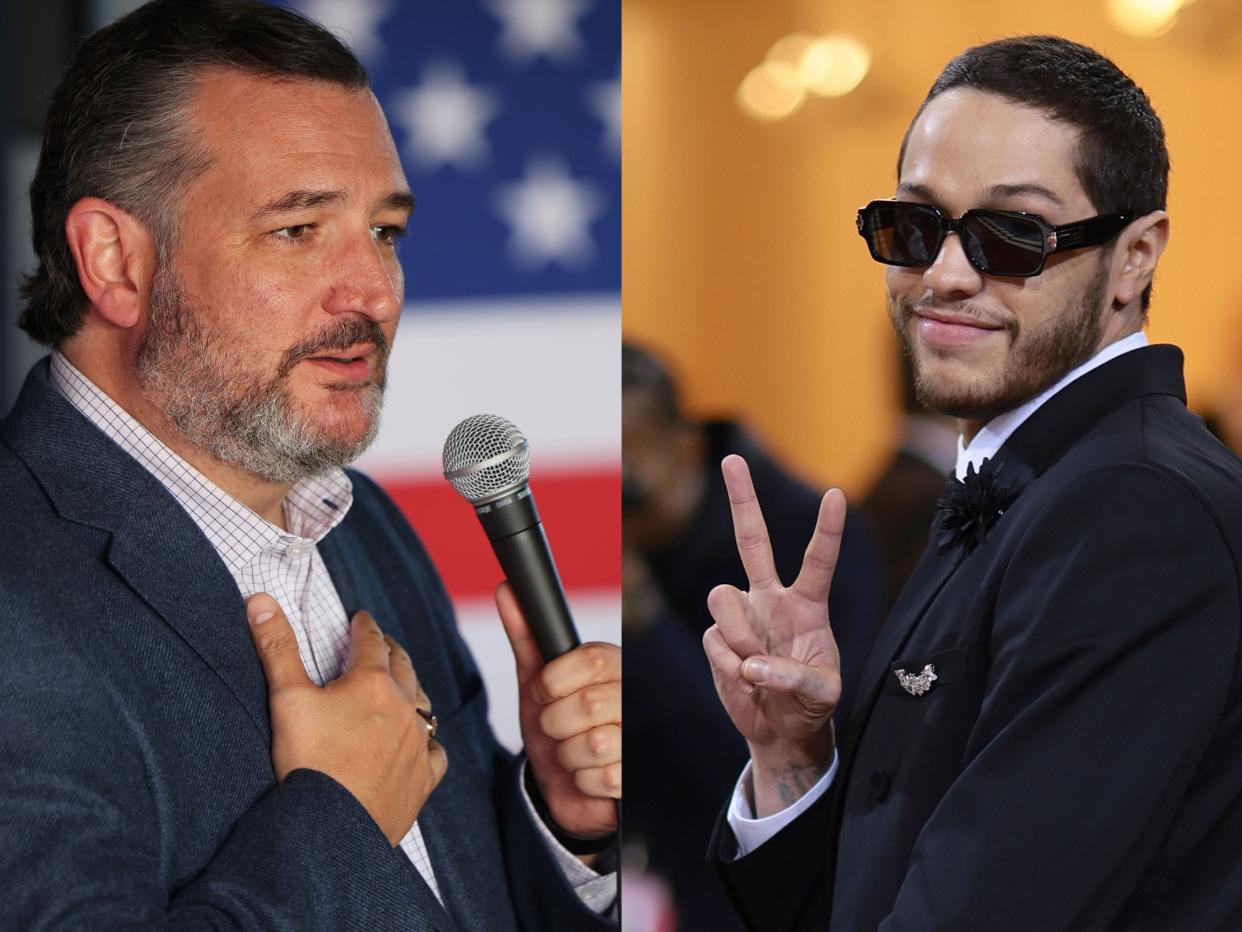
1078,764
136,783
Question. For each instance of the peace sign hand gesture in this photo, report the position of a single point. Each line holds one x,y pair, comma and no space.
771,650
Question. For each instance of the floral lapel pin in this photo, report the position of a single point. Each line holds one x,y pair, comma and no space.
969,507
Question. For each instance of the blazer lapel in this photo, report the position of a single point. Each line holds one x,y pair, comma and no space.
154,545
361,589
925,583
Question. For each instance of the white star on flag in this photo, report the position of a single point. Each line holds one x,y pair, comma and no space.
550,214
444,117
604,99
356,22
539,27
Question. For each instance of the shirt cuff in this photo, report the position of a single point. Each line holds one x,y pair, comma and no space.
597,891
751,832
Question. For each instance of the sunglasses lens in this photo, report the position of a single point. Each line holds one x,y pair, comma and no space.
1003,244
902,234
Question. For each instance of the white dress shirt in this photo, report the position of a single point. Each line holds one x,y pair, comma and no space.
752,832
285,564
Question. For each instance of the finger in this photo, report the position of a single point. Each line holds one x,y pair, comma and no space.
820,685
727,606
726,665
815,578
525,651
588,707
586,664
595,748
275,644
749,530
402,669
367,648
603,782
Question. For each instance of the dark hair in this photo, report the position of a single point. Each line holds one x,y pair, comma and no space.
117,127
1122,161
642,371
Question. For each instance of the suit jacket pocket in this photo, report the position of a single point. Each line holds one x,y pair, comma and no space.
917,677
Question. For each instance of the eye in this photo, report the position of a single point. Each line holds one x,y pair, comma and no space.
388,234
297,233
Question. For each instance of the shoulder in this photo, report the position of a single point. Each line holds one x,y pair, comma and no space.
1150,466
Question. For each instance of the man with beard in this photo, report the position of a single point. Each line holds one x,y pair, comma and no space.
1048,734
232,684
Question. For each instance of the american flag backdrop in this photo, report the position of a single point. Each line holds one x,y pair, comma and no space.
507,114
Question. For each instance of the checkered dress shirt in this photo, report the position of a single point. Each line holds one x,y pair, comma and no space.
286,565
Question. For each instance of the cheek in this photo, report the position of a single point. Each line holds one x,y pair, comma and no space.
903,285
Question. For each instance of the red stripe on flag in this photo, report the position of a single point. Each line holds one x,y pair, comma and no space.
581,513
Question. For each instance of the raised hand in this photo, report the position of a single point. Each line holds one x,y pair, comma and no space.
771,650
361,729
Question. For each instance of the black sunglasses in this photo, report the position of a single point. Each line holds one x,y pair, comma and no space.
998,242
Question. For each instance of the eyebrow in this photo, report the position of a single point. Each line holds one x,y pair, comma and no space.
996,192
1018,190
293,201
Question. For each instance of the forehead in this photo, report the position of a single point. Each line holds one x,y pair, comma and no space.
264,132
968,143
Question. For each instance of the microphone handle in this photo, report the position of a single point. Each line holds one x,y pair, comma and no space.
513,527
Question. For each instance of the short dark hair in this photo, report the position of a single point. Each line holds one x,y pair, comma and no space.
642,371
1122,161
117,128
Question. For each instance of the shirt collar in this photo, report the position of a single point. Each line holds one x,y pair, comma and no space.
986,443
312,507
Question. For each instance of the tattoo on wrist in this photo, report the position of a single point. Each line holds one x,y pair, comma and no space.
794,780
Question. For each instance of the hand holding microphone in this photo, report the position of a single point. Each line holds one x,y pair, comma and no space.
569,693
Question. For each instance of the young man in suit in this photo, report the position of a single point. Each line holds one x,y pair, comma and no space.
1048,734
232,683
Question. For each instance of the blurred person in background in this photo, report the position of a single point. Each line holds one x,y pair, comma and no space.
902,502
233,691
677,546
1048,733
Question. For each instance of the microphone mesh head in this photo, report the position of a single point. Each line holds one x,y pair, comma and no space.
485,457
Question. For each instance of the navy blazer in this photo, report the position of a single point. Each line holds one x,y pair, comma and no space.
136,783
1078,763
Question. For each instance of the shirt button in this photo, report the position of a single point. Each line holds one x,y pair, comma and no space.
880,784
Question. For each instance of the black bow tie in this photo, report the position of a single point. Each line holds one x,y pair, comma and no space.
969,507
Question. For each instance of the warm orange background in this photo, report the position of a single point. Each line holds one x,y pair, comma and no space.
740,257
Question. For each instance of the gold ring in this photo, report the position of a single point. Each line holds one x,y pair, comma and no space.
433,723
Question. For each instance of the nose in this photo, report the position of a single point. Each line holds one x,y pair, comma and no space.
368,280
951,275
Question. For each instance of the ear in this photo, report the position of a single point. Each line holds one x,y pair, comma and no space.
1139,248
116,257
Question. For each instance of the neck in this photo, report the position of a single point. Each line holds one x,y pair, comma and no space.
1118,328
261,496
968,429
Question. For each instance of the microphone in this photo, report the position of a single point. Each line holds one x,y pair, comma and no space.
487,461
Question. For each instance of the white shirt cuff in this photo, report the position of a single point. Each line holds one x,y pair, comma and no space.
751,832
597,891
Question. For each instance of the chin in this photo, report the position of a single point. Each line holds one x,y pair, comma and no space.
344,419
962,391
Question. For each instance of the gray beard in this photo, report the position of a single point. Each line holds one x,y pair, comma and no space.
218,407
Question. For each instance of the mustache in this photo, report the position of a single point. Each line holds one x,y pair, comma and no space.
346,333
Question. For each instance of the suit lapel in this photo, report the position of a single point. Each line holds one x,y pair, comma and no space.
154,545
361,588
928,578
